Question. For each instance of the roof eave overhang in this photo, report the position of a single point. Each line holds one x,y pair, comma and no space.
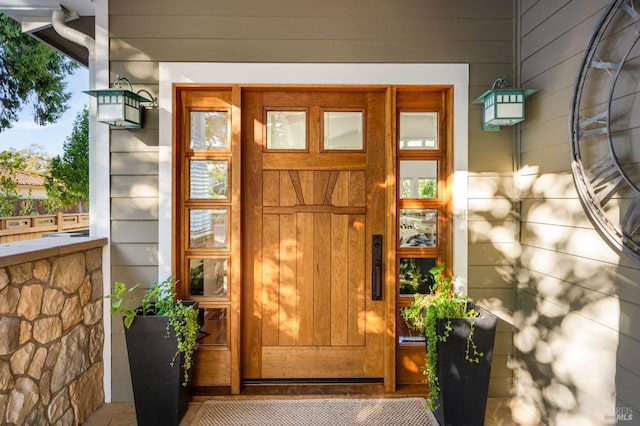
35,18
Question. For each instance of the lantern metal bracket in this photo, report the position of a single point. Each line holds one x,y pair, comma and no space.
117,83
500,83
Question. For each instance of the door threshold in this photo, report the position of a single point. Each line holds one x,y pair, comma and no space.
270,391
314,381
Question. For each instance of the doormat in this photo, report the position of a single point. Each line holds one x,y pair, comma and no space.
316,412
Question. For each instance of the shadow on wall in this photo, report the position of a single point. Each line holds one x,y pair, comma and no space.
627,407
573,294
576,338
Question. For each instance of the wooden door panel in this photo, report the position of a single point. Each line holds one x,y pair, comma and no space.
324,161
271,188
287,300
271,279
322,275
304,278
311,302
339,279
288,196
314,362
313,260
204,375
356,294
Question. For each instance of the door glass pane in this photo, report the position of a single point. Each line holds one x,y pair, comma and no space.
405,336
418,227
418,130
209,179
208,228
214,329
418,178
208,277
343,130
414,275
287,130
405,187
426,188
209,130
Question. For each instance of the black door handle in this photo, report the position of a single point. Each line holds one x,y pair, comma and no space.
376,267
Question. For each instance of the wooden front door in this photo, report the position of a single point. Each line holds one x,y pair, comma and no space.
313,197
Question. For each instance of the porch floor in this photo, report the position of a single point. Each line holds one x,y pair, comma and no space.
500,412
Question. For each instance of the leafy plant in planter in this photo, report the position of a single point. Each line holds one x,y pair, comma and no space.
412,279
161,335
424,314
160,300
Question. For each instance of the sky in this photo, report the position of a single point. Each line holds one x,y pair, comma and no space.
52,137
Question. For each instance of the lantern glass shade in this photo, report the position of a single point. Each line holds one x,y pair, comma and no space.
119,108
502,107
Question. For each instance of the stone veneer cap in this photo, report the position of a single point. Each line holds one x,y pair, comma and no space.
27,251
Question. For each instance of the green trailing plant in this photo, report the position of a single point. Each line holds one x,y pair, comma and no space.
160,299
422,316
412,280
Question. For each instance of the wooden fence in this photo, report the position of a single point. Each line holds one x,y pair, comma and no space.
19,228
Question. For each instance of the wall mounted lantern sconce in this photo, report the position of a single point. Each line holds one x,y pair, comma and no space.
502,106
121,108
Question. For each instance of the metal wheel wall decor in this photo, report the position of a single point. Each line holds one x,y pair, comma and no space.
605,128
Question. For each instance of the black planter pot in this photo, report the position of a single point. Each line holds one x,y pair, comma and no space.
158,391
464,386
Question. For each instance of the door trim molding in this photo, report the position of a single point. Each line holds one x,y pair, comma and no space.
214,73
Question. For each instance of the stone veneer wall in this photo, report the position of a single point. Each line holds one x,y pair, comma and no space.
51,309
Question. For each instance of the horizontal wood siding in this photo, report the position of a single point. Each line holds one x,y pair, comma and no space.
145,32
577,299
134,215
134,230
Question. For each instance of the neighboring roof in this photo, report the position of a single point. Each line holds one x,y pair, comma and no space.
22,178
35,17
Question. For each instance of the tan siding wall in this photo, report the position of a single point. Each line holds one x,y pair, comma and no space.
134,225
144,33
577,297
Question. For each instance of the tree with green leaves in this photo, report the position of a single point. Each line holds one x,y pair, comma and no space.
12,159
68,180
8,192
30,73
33,159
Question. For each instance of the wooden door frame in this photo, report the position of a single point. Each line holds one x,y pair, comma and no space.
455,75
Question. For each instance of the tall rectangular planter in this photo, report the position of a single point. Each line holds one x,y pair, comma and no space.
464,386
160,398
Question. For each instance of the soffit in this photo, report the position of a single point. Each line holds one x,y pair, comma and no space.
35,18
